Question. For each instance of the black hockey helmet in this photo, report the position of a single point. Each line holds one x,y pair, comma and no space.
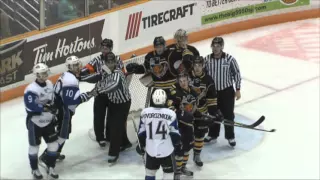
217,40
199,60
159,41
183,74
107,42
110,57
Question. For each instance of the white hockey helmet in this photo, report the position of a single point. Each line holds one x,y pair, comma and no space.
159,97
73,63
41,71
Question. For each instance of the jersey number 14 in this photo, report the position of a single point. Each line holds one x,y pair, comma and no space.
161,129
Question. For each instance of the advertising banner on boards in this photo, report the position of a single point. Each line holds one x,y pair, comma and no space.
17,59
12,65
239,10
143,23
54,49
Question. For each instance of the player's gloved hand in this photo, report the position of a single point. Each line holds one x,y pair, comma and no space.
132,67
139,150
50,108
93,92
219,115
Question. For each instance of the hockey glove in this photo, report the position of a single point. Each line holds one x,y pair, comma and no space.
219,115
140,150
93,92
50,108
131,68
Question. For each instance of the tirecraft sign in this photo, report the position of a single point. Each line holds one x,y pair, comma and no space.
157,19
53,50
11,63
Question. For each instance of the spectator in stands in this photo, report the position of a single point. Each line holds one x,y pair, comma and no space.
4,25
67,10
97,5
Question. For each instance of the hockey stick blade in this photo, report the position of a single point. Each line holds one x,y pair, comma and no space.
228,123
246,127
255,124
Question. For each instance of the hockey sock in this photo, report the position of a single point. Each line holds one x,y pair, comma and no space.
179,162
185,158
33,158
51,158
150,178
198,145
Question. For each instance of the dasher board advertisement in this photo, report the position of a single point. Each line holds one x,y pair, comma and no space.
142,23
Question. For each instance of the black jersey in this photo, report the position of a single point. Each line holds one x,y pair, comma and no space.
175,57
185,100
204,86
159,67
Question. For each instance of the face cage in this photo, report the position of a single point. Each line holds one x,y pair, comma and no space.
75,67
43,75
182,41
105,49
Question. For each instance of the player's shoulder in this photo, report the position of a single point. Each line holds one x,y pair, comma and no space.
31,87
69,79
193,49
228,56
150,55
49,83
171,47
169,112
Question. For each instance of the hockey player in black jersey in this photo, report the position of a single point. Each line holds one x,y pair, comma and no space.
156,65
180,55
183,100
203,84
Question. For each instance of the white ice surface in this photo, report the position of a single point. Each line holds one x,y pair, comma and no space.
284,89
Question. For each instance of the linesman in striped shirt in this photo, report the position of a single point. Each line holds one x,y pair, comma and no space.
115,87
224,70
93,72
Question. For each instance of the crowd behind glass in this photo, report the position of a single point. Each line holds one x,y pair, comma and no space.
21,16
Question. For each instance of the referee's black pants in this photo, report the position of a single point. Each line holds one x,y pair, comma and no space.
100,105
226,100
117,119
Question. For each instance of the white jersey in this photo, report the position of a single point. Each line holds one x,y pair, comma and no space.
67,89
35,97
158,124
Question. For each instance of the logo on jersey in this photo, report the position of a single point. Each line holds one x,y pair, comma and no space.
158,66
189,103
150,21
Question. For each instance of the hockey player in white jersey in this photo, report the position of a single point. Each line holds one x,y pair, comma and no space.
158,136
67,98
38,100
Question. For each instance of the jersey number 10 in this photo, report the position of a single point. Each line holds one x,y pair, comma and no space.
161,129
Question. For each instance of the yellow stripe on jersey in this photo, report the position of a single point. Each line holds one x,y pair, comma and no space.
188,124
203,109
212,102
164,84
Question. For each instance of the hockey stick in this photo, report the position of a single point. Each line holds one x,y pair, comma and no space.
228,123
136,130
148,97
253,125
